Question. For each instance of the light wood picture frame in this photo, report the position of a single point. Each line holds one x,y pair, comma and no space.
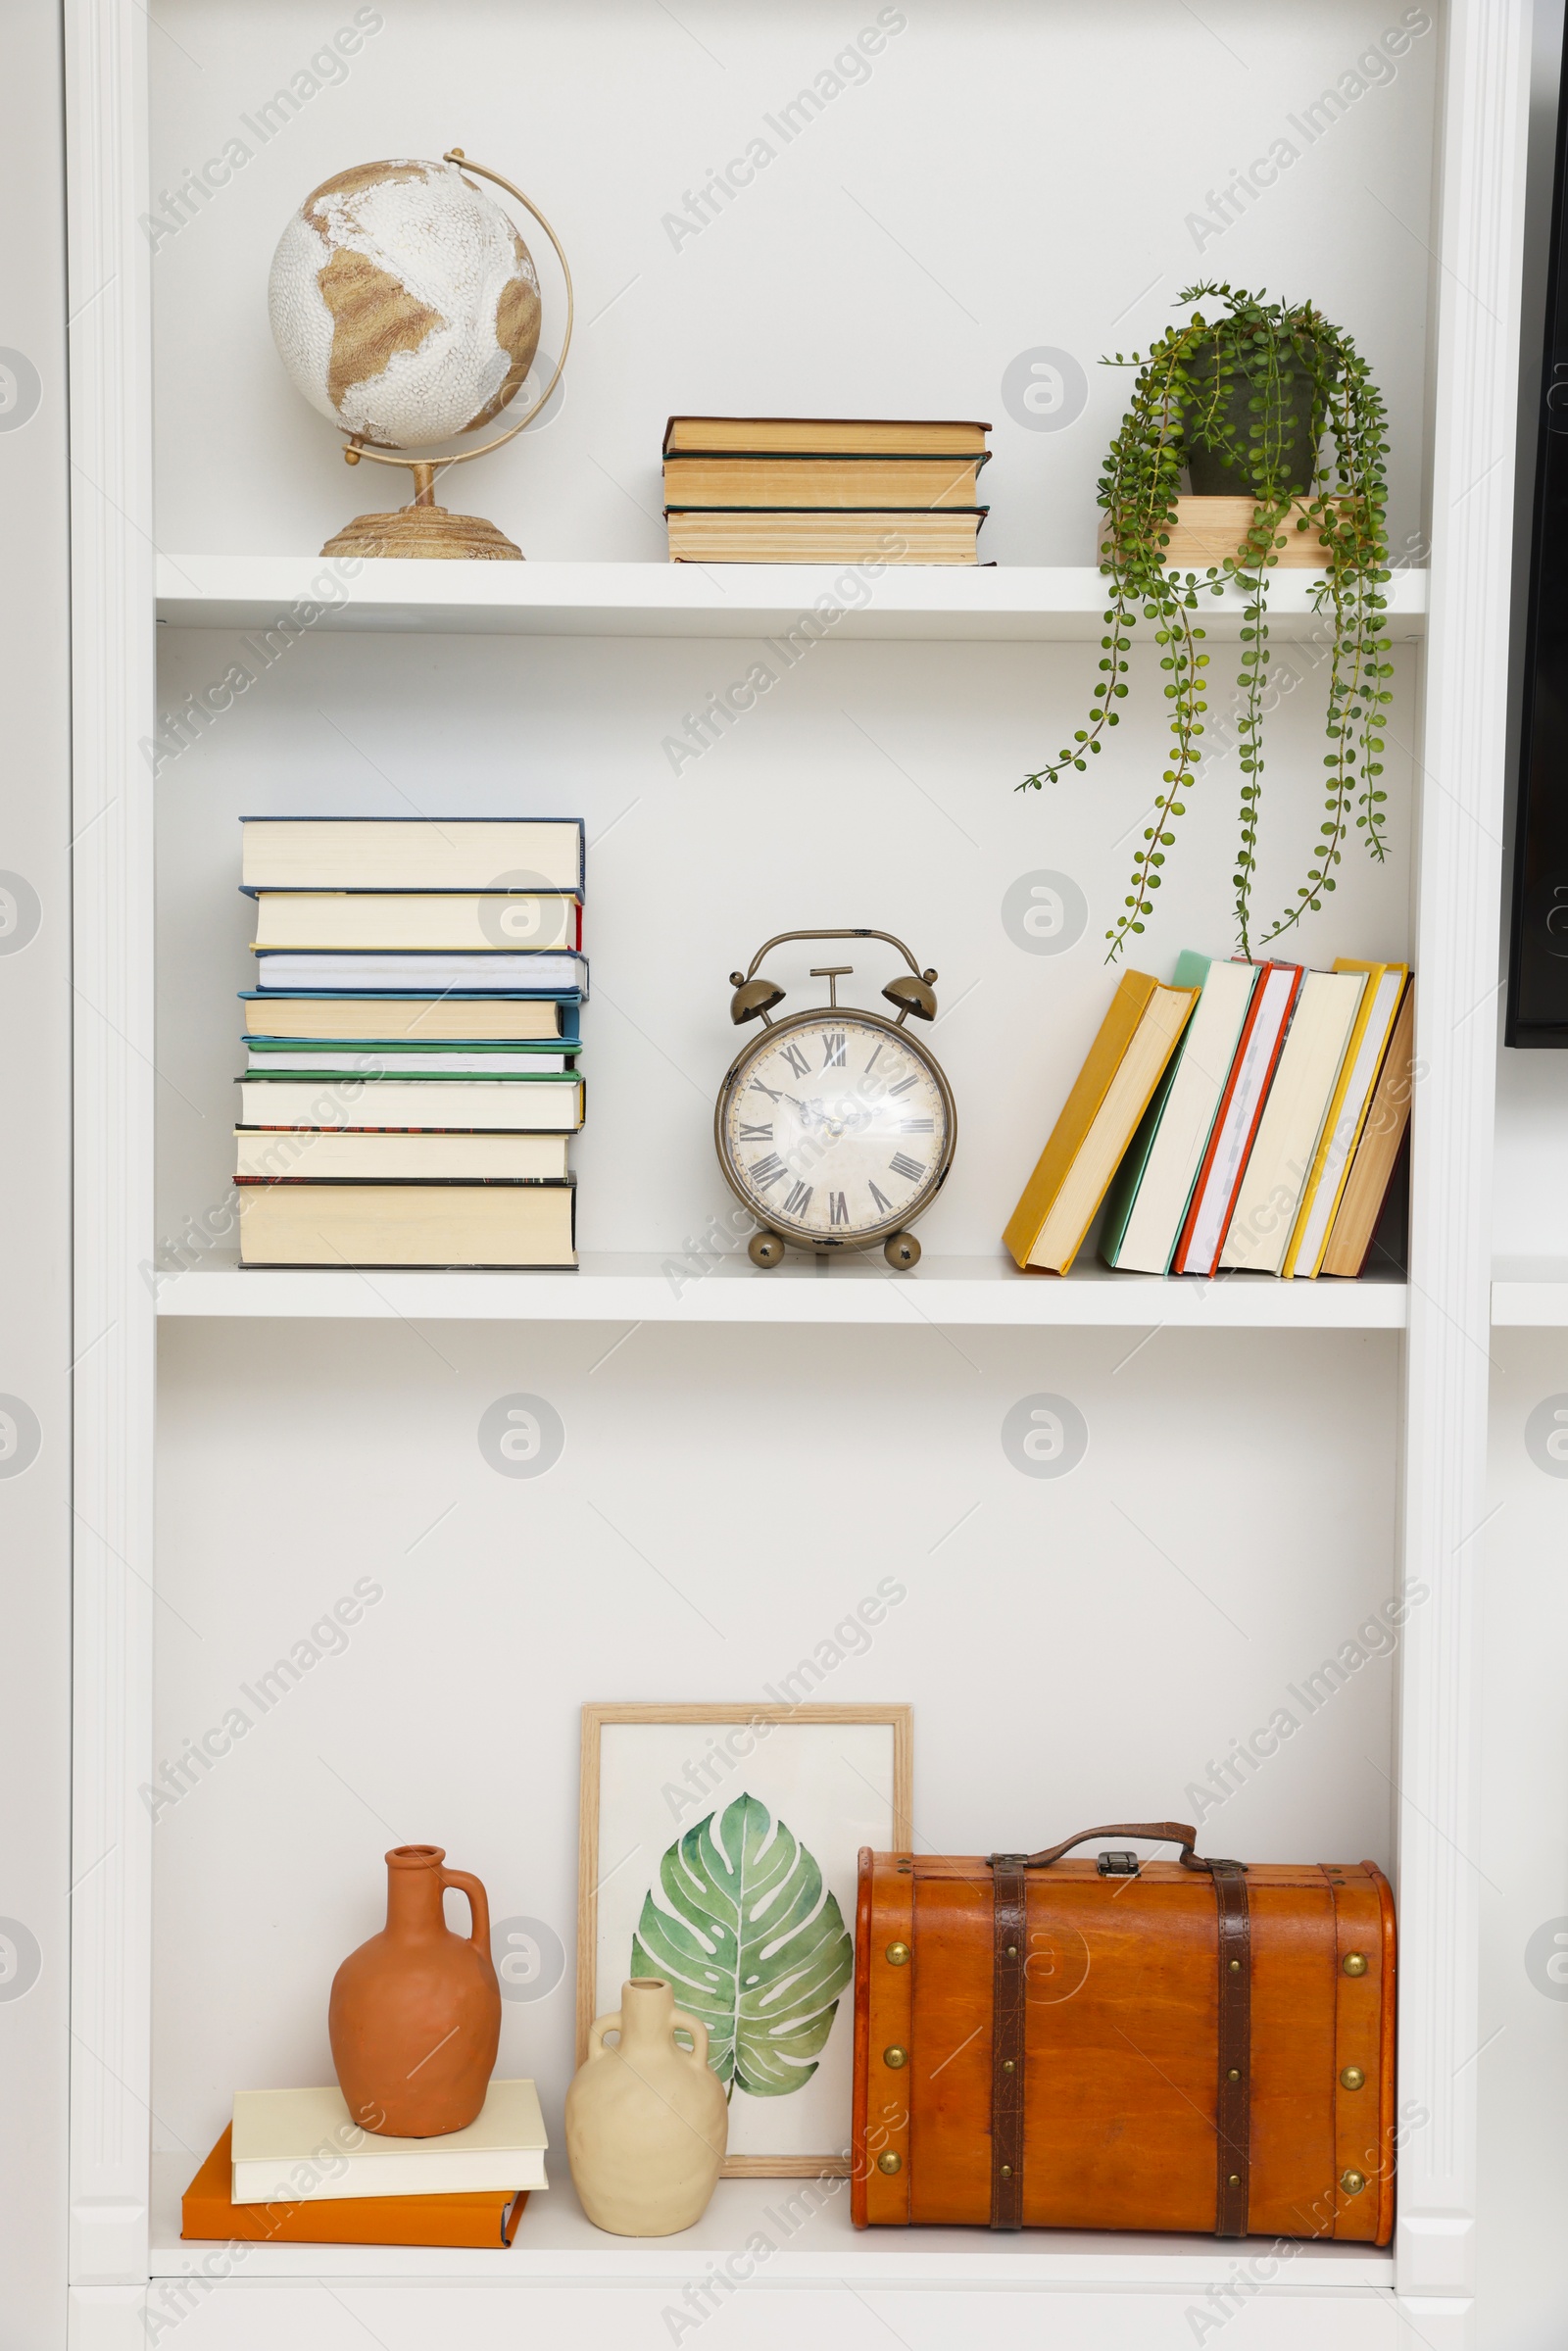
651,1772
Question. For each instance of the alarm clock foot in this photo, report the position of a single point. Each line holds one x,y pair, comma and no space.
902,1251
765,1249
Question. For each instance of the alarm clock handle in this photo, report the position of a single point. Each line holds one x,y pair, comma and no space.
859,931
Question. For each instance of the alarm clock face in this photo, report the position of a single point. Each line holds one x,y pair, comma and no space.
835,1128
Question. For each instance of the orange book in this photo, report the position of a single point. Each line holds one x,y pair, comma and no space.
207,2210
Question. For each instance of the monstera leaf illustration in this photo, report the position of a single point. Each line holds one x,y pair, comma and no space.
751,1941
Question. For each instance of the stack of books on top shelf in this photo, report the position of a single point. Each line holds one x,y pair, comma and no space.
412,1043
1247,1119
823,490
294,2170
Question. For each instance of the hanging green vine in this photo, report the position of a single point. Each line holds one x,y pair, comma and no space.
1276,405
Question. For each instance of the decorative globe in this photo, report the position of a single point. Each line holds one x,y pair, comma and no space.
404,303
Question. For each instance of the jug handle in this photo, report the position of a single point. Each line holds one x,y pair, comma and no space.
698,2031
596,2033
479,1906
678,2020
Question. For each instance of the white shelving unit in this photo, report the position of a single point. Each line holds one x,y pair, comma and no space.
561,2246
1530,1294
292,1440
943,1291
1021,603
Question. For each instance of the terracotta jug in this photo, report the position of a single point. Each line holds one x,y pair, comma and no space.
647,2123
416,2012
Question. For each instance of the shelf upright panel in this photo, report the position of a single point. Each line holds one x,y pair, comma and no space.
1476,295
115,1328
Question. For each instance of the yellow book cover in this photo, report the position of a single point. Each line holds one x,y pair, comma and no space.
1347,1115
1098,1121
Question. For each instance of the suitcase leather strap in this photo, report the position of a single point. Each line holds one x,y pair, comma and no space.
1233,2104
1010,1902
1233,2090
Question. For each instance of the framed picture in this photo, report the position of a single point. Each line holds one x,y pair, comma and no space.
704,1831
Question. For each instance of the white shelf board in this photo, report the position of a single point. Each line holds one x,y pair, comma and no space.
1529,1293
942,1291
557,2244
998,605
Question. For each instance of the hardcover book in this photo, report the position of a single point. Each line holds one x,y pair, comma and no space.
1153,1186
518,971
840,436
1125,1065
326,1155
549,1105
407,852
381,1016
278,2130
412,919
522,1226
483,2219
919,483
1236,1122
1379,1152
1293,1122
1352,1097
887,536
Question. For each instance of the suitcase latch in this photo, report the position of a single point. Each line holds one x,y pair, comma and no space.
1117,1865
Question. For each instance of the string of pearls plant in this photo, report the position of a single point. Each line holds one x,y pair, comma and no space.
1267,401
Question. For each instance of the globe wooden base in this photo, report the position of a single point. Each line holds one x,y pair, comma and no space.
425,530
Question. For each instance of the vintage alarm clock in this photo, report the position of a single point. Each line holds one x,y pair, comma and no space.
835,1127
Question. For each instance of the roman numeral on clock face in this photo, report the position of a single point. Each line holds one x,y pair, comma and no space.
767,1090
764,1134
884,1206
902,1165
880,1043
903,1086
837,1208
795,1057
770,1171
799,1199
909,1126
833,1044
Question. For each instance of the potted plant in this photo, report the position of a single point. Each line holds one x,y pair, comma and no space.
1269,402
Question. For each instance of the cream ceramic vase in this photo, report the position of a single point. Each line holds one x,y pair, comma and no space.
647,2123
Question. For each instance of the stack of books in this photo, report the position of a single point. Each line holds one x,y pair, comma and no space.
823,490
412,1043
294,2170
1245,1118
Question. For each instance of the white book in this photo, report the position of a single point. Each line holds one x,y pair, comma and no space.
336,1158
1219,1177
547,974
1280,1158
277,2131
1185,1118
448,1106
382,921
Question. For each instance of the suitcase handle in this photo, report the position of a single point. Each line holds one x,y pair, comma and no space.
1176,1833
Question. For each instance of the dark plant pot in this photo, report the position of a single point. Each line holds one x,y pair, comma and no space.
1210,469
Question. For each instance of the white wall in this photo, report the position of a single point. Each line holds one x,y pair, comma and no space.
1005,179
35,1346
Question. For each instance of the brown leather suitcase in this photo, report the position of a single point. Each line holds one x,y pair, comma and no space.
1112,2043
